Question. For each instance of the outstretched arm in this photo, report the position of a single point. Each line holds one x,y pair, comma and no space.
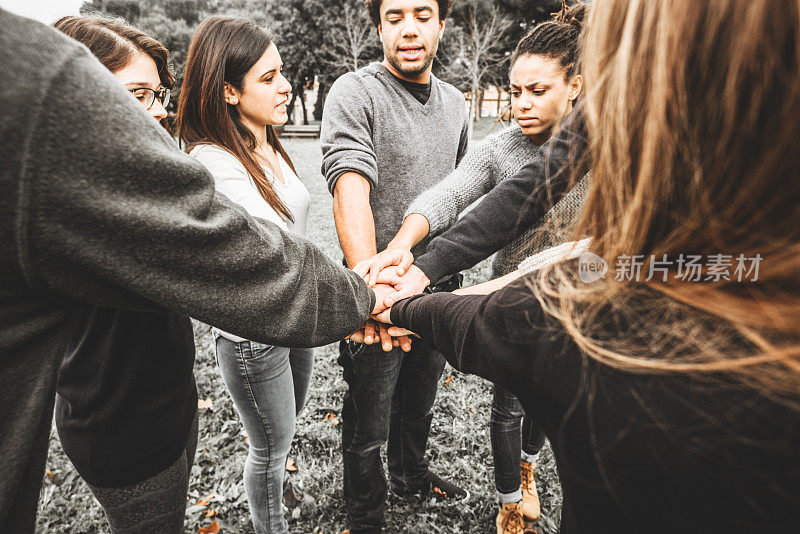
119,217
490,336
512,207
436,209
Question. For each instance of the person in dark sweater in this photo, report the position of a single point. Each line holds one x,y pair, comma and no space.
99,207
126,406
670,398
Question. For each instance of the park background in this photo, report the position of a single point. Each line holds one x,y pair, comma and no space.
319,40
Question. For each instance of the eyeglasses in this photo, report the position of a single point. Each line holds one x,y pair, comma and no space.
147,96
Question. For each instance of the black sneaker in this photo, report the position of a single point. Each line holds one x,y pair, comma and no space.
437,489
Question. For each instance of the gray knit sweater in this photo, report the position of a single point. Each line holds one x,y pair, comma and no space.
373,126
98,206
498,157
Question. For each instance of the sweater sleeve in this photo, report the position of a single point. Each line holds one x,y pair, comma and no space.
486,335
474,177
514,206
113,214
346,132
463,143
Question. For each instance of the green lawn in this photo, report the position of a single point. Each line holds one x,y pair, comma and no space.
459,444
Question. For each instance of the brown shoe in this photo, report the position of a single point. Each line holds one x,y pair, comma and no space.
509,519
530,497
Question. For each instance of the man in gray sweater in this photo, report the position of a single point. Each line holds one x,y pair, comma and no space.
389,132
98,206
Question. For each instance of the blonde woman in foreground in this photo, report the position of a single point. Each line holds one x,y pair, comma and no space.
670,394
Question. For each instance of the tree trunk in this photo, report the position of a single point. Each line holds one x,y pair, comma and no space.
290,108
470,122
303,102
499,93
479,107
476,113
320,103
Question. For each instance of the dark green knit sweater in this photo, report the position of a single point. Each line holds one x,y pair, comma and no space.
98,206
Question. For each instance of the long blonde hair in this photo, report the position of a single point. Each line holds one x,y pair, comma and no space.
692,110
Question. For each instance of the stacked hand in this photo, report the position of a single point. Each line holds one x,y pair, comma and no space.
392,276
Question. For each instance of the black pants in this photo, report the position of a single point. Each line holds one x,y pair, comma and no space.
506,434
390,397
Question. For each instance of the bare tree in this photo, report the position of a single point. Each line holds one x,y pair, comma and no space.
478,47
349,39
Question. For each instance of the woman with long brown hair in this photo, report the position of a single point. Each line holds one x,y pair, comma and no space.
670,387
126,409
233,93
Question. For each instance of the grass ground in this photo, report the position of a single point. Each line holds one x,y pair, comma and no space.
459,444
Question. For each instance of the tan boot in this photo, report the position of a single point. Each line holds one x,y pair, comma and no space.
530,497
509,519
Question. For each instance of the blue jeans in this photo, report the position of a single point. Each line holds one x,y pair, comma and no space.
507,436
390,397
268,385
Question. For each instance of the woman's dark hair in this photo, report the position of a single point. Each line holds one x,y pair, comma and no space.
556,39
222,50
374,9
116,44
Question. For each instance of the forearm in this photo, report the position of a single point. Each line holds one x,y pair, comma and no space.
146,230
445,322
489,286
511,208
352,214
441,204
413,230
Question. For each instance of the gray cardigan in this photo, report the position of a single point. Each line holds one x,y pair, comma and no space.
495,159
98,206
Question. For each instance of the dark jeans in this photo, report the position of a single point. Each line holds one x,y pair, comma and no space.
390,397
268,385
506,436
156,505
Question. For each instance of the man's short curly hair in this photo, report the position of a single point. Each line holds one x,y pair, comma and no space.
374,9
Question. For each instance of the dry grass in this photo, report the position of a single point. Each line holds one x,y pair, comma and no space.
459,444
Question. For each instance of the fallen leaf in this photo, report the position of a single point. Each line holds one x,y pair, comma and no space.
213,528
211,512
290,465
472,409
205,501
332,418
49,474
206,404
448,380
193,509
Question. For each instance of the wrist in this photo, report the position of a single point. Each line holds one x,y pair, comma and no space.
400,244
421,276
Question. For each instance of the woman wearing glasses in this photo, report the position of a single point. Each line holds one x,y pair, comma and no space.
127,402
